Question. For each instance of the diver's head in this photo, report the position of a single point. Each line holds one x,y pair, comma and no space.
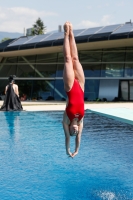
73,129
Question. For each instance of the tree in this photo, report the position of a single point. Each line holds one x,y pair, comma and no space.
38,28
4,39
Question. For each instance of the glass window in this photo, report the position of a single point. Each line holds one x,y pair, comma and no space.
112,70
115,49
129,56
113,56
131,90
51,70
27,59
59,72
26,70
124,88
8,67
25,87
26,65
45,70
7,70
129,48
40,90
88,56
47,58
43,90
3,84
12,60
61,95
60,58
92,70
91,90
128,70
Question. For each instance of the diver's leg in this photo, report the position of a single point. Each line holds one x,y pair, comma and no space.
78,70
68,73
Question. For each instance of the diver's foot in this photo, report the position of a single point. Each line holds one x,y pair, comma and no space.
66,28
70,27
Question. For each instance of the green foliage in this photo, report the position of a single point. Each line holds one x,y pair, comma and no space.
38,28
4,39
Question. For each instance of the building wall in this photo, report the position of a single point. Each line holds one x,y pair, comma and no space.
40,76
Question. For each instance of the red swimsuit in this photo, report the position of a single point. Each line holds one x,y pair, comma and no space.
75,107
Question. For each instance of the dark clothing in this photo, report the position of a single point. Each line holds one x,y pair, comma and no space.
11,101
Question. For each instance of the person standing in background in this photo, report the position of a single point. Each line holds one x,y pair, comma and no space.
11,101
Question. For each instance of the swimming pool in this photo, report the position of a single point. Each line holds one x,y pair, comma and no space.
33,163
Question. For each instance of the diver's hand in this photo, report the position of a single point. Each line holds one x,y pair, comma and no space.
69,154
74,154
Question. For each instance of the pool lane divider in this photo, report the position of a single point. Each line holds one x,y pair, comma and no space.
112,116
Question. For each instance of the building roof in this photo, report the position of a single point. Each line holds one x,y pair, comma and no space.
103,33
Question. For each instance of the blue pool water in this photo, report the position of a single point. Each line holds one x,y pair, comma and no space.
34,166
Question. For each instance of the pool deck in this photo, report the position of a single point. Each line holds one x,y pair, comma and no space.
122,111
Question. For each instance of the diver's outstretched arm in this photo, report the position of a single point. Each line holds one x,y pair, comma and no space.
77,140
67,138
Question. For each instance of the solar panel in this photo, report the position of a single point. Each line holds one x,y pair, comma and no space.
115,29
108,29
53,36
78,32
124,29
22,40
19,41
5,43
36,38
28,40
90,31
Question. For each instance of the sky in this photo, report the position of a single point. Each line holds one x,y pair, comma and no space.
17,15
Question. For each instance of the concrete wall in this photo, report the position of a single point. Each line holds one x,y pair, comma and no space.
108,89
